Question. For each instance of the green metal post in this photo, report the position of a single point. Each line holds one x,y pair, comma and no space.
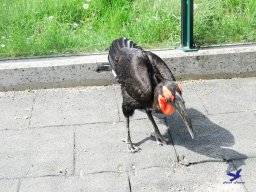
187,42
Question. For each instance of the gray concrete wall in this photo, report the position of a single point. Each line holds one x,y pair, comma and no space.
207,63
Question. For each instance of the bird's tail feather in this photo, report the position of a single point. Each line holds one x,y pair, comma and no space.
122,42
117,45
113,49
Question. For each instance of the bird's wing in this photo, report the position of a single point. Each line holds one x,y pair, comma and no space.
134,74
161,70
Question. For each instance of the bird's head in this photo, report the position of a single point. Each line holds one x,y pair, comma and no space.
170,98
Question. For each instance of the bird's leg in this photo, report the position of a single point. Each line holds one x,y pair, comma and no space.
159,138
131,148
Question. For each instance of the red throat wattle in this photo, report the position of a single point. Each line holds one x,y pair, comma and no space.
165,107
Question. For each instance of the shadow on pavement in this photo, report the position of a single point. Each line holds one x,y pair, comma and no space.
211,140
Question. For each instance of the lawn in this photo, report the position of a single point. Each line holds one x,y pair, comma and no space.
53,27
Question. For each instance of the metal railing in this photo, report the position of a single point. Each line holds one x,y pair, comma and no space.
187,20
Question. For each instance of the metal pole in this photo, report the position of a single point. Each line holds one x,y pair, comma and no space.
187,42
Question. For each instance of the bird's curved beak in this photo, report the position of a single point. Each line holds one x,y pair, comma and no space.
179,104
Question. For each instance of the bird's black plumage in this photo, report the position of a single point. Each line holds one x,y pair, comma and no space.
142,76
137,71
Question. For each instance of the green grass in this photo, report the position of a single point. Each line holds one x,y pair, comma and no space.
226,21
44,27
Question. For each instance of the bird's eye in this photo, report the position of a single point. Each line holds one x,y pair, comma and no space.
172,98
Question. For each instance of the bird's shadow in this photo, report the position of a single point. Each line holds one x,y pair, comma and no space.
211,140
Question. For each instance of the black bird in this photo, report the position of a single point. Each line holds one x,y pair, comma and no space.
146,83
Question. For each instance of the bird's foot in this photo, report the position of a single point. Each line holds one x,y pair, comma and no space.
131,147
160,140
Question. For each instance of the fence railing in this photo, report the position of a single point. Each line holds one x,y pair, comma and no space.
187,20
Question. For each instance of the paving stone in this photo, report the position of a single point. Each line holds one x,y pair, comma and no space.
199,178
190,95
99,148
150,179
90,105
242,127
9,185
43,158
74,106
225,96
204,177
36,152
247,172
48,110
218,137
103,182
16,109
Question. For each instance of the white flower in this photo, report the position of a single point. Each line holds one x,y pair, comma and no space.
74,25
195,6
50,17
85,6
137,19
3,45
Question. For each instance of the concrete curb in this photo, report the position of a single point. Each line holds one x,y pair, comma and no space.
215,62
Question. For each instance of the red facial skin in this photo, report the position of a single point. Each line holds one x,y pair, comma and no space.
165,107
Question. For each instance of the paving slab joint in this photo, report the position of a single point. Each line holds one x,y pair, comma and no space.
171,140
129,182
74,154
32,108
18,187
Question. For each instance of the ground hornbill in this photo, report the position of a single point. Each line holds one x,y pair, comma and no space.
146,83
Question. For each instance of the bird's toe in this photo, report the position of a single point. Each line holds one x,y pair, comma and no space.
161,141
132,148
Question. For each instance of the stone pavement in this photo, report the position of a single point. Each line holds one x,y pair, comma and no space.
69,140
